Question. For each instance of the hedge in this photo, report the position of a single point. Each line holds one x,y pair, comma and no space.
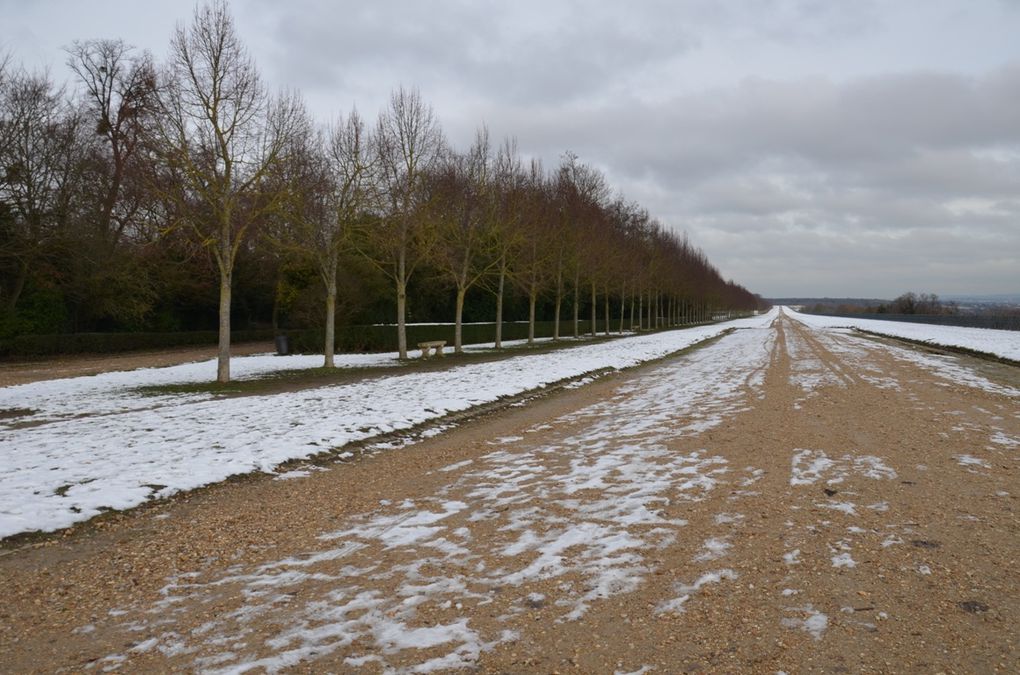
348,338
384,338
106,343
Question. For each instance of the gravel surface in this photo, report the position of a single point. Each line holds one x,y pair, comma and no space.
784,499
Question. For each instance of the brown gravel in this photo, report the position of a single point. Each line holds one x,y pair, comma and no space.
943,597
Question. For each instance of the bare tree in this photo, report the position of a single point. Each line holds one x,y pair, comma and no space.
508,195
328,189
582,191
409,142
120,94
531,259
104,279
41,158
219,133
463,225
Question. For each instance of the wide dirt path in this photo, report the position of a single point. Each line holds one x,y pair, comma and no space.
782,499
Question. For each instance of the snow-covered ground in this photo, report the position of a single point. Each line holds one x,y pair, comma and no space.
567,514
115,392
94,443
1002,343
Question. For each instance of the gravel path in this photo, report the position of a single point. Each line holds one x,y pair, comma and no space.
784,499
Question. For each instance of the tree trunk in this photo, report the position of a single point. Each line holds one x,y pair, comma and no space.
532,301
605,302
640,311
577,306
329,343
594,306
499,309
458,345
559,303
275,319
402,305
623,306
19,285
632,311
223,357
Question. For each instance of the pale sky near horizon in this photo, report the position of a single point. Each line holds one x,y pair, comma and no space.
810,147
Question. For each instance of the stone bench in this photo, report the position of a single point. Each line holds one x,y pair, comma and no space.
426,347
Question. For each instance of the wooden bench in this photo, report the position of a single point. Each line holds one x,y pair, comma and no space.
426,347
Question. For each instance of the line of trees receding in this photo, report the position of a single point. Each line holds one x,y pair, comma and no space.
116,200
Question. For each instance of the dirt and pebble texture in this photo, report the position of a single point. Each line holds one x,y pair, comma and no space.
23,372
780,500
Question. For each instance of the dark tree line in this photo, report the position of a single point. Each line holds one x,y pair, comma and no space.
928,304
181,195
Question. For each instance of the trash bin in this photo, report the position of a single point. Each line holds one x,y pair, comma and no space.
281,345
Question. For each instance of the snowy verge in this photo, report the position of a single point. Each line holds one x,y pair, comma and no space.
69,470
1004,344
116,391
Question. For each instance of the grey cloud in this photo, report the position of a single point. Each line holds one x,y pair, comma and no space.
521,53
867,185
844,145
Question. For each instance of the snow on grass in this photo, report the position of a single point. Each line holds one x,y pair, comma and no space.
114,392
117,391
1002,343
109,447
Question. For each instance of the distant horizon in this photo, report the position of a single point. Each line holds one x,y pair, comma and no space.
956,297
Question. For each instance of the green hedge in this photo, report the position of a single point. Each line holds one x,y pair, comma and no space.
106,343
348,338
384,338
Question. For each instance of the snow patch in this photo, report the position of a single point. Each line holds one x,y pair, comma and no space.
685,591
713,549
970,460
810,466
811,621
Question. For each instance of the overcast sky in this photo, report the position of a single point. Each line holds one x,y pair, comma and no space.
810,147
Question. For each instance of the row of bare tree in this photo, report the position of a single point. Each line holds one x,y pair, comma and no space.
198,145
